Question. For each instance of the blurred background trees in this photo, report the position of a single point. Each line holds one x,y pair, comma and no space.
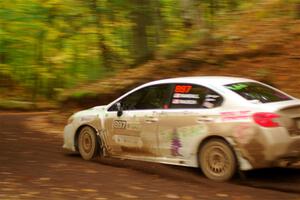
49,45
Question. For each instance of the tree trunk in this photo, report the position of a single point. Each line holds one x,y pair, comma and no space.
2,57
39,59
142,18
3,53
233,4
104,53
157,22
190,14
298,10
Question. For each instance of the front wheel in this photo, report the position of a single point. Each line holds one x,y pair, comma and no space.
217,160
87,143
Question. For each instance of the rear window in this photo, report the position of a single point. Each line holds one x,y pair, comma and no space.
257,91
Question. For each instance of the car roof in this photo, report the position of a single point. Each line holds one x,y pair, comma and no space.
213,82
203,80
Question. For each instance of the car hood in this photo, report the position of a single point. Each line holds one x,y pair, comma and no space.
91,111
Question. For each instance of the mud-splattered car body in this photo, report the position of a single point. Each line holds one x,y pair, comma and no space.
168,121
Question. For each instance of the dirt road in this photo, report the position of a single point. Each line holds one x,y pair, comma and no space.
34,166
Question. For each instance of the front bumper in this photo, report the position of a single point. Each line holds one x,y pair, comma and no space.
69,137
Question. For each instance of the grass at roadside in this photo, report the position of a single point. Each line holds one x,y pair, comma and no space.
18,105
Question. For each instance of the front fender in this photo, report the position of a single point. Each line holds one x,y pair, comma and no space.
93,121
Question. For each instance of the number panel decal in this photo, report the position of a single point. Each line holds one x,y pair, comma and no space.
183,88
119,124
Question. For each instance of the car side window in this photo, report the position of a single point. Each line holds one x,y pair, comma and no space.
152,97
194,96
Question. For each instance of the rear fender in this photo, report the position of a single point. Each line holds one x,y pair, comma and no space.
243,163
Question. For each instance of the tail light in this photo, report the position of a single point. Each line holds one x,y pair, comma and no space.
266,119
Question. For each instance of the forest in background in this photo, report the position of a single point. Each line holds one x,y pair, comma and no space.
49,46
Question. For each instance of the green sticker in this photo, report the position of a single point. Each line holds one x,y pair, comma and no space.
237,87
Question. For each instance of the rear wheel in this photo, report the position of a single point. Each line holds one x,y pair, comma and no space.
217,160
87,143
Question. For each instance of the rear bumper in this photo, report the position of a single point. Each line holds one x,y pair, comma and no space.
291,155
271,147
281,148
287,161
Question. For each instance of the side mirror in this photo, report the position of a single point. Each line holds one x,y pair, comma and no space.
119,109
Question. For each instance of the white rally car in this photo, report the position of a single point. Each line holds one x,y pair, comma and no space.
220,124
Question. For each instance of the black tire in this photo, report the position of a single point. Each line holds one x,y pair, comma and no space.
87,143
217,160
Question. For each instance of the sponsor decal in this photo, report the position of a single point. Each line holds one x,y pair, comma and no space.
128,141
210,100
208,104
188,96
179,137
237,87
191,131
184,101
133,126
119,124
175,144
87,118
236,115
185,131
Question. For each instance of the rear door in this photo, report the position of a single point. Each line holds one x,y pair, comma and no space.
192,108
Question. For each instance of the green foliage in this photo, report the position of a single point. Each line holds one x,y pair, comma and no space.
19,105
82,95
46,46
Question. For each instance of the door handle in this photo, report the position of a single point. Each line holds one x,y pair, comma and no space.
151,120
204,119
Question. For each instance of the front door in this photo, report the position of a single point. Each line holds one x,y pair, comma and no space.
134,133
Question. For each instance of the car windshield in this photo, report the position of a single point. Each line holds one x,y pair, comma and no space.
257,91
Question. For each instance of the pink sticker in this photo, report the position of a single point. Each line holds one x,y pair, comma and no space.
236,115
